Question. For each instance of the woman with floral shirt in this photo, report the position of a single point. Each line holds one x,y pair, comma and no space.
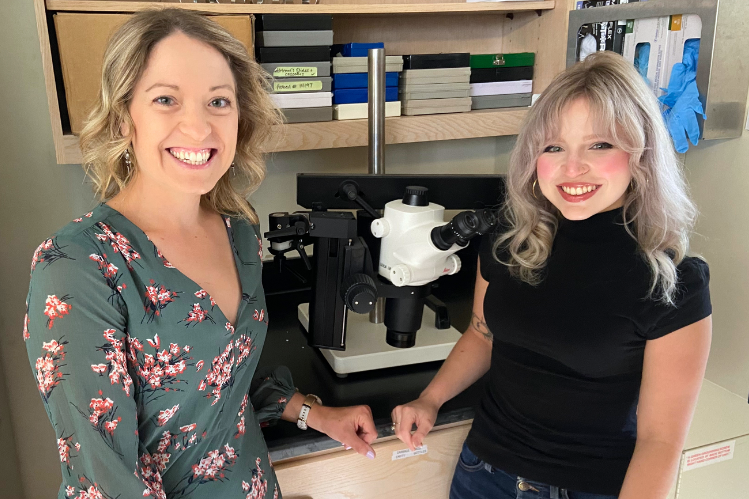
146,317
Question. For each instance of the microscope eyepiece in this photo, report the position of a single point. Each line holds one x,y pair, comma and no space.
462,228
416,196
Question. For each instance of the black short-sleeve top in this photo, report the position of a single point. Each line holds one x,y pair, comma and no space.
567,356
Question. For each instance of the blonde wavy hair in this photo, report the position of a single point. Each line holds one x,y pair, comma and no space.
125,59
658,212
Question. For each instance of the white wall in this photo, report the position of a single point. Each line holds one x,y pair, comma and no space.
718,173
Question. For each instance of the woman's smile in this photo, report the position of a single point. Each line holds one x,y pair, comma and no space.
577,192
194,159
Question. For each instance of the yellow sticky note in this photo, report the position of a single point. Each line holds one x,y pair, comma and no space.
297,86
294,71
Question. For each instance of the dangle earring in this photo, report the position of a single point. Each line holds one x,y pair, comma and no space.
128,163
533,189
233,170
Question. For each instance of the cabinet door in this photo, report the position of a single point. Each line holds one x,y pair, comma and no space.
727,479
345,474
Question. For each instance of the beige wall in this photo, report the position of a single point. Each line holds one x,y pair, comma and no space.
719,175
37,197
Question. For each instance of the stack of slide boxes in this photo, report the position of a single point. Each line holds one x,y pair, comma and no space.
295,50
351,81
501,80
435,83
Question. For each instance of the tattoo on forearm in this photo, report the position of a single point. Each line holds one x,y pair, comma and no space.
479,324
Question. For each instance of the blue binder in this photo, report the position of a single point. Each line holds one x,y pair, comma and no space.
355,49
358,95
361,80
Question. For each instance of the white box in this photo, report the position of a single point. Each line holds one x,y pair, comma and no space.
680,29
653,31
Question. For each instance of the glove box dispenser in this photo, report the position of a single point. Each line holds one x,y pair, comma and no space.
722,83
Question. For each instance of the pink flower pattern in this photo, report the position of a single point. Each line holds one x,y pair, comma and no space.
120,244
122,388
47,252
240,425
258,487
220,375
160,371
116,358
197,315
48,373
166,415
64,445
157,297
26,334
111,275
55,308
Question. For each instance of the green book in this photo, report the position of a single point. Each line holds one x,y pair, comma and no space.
502,60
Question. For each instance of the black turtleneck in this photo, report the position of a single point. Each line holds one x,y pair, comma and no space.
560,407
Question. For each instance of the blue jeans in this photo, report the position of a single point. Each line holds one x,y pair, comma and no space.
475,479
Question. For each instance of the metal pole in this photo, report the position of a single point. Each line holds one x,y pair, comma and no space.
376,103
376,122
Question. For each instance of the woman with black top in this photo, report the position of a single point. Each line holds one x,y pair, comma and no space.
593,324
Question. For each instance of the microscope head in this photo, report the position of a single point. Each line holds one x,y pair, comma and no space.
418,247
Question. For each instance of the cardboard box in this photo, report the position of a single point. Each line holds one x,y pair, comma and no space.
680,29
82,40
652,31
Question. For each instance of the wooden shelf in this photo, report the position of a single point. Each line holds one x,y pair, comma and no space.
330,8
354,133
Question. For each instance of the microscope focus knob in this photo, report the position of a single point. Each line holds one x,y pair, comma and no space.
452,265
380,228
400,275
359,293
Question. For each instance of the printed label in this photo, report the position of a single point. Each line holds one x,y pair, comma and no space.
291,71
675,24
404,453
710,454
297,86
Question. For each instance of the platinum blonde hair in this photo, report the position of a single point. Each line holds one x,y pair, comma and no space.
126,58
658,212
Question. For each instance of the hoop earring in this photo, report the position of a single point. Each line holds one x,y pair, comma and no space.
128,163
533,189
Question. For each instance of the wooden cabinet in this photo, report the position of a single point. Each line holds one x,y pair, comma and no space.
345,474
406,26
721,421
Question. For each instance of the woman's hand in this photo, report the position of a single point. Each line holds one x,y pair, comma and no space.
352,426
422,412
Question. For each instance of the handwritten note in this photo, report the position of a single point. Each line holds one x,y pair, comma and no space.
297,86
294,71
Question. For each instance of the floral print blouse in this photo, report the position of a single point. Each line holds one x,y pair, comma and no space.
150,390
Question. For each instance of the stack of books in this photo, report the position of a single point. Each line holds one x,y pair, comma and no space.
501,80
295,50
351,81
435,83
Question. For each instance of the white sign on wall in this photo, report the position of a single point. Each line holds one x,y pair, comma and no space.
711,454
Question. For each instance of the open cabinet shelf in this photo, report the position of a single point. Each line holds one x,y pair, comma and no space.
377,7
483,27
398,130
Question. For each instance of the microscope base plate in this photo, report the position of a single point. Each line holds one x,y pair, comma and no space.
366,348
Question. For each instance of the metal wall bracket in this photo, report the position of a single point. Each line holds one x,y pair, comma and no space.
723,71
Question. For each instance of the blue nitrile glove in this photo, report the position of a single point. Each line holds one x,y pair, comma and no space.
682,99
642,59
